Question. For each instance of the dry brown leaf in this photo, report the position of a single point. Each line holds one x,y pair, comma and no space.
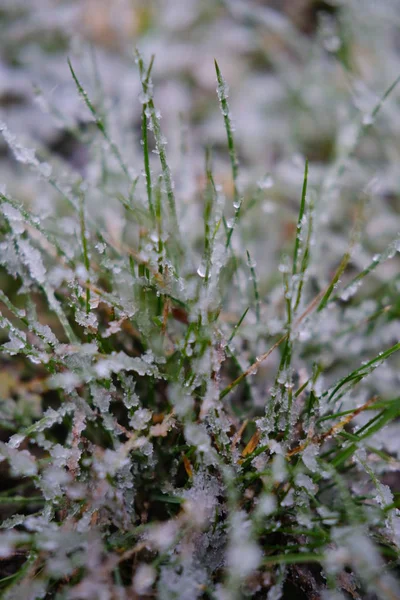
252,444
188,466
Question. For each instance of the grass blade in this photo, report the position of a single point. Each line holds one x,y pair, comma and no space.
99,122
223,99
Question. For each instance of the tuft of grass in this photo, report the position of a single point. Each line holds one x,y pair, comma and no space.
162,437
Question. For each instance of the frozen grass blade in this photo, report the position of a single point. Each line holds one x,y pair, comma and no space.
223,99
300,223
35,224
99,122
358,374
291,559
289,289
251,266
86,261
252,369
160,144
343,264
286,358
305,258
238,324
384,97
351,288
98,84
207,216
340,270
145,78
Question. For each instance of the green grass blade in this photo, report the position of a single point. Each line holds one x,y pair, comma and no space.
238,324
358,374
100,124
300,220
223,99
86,261
251,266
342,266
160,147
145,78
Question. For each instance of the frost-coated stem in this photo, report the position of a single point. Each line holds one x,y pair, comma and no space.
100,124
223,100
160,147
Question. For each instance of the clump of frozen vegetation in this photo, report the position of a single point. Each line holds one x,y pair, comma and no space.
185,415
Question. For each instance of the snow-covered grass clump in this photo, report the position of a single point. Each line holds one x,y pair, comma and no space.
195,407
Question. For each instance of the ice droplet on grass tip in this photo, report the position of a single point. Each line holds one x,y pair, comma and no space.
368,119
252,263
265,183
350,291
201,271
254,368
284,268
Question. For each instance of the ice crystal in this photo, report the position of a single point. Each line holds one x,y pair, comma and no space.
140,418
21,461
243,554
309,457
144,578
279,468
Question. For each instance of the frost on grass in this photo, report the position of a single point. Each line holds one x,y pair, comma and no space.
199,411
